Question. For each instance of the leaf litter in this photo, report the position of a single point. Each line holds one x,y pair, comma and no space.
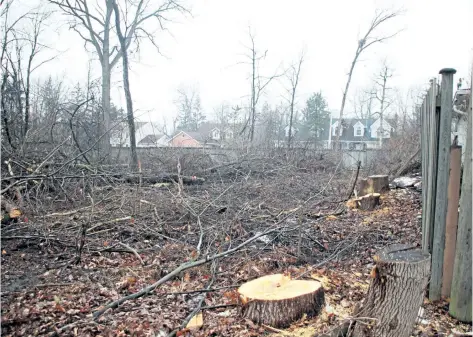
43,295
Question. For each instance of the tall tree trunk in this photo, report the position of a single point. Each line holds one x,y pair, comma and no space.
381,113
105,118
344,98
126,87
4,109
27,96
291,116
253,95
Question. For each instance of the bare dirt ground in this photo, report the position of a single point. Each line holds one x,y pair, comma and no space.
75,251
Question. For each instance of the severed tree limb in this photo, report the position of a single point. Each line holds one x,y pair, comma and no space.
180,269
98,224
205,290
199,305
132,251
354,182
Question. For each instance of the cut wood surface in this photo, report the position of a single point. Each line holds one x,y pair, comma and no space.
373,184
396,292
367,202
277,300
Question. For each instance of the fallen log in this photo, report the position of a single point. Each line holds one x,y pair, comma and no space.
373,184
396,292
278,301
165,178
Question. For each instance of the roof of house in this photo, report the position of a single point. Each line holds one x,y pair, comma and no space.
150,139
206,127
303,132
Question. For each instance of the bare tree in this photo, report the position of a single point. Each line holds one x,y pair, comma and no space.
190,114
92,20
362,102
368,39
293,76
126,88
258,83
382,96
21,42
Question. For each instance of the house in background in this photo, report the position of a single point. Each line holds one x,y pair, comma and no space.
355,134
146,133
207,135
358,134
461,101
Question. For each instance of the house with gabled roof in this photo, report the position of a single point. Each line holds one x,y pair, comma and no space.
147,134
207,135
355,133
359,134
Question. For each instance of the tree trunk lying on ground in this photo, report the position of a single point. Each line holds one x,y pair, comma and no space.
396,292
278,301
367,202
165,178
373,184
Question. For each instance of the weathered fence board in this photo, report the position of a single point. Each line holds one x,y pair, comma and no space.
461,293
443,168
452,218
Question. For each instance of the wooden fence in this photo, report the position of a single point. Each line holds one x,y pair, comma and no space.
441,170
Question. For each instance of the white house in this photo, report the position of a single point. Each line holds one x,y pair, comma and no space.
381,131
146,133
359,129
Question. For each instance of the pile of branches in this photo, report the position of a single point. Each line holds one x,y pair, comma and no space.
251,207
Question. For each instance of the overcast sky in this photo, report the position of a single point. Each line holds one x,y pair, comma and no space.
206,50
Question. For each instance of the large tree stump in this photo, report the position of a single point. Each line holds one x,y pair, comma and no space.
373,184
400,277
367,202
278,301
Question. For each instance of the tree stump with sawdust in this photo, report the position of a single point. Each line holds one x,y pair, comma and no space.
10,212
373,184
278,301
367,202
396,292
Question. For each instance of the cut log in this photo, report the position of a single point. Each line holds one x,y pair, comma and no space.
373,184
10,212
278,301
165,178
396,292
367,202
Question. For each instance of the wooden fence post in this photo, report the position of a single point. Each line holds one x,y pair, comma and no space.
452,218
424,142
431,178
461,293
443,167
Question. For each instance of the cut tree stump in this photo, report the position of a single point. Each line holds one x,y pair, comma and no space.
278,301
373,184
367,202
396,292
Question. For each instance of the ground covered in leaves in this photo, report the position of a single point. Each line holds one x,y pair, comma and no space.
64,261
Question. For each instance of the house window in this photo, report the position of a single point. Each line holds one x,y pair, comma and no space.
358,132
335,129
